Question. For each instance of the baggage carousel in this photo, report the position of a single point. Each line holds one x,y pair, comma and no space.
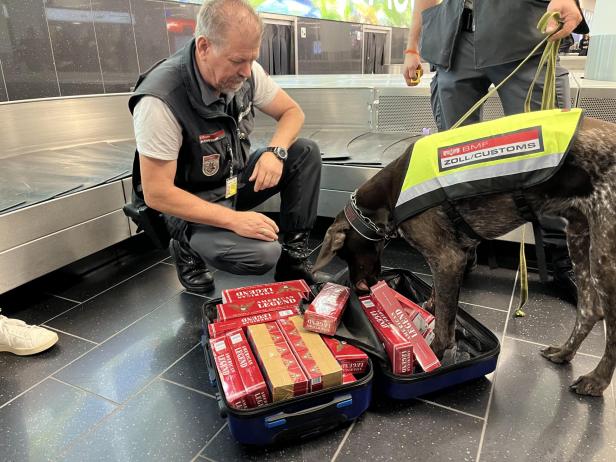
66,162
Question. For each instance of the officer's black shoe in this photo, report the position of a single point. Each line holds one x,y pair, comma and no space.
192,270
566,280
294,263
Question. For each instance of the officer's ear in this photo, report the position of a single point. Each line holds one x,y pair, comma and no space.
203,45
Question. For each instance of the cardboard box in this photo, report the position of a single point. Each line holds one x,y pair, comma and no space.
314,356
411,305
264,290
230,379
283,373
324,313
385,297
399,350
347,378
216,329
289,301
255,387
352,359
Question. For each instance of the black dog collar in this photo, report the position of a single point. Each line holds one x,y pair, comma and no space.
362,224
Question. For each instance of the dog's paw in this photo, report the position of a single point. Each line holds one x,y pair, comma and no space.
557,355
589,385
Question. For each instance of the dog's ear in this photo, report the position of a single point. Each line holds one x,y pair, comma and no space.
334,240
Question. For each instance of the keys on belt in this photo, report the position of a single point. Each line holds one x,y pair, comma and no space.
467,20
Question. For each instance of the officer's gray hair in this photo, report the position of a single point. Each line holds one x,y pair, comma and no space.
216,17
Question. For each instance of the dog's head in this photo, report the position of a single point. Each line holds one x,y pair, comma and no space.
361,255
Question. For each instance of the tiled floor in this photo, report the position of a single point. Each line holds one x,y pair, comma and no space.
127,380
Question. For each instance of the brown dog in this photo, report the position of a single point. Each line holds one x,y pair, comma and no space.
583,191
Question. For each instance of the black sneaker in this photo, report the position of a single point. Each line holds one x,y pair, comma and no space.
192,270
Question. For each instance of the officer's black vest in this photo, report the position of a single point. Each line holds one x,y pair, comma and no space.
211,139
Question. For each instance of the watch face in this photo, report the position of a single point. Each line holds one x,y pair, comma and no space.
281,153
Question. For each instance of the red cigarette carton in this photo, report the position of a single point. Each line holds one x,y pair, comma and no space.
283,374
324,313
316,360
429,336
256,390
347,378
399,349
216,329
288,301
385,297
352,359
426,315
230,379
263,290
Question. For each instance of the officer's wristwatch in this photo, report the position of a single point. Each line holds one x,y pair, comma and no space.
279,152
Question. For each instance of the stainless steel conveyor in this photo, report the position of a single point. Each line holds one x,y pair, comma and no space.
65,162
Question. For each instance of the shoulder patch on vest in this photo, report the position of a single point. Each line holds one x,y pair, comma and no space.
211,164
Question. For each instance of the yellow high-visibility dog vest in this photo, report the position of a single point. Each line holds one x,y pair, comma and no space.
501,155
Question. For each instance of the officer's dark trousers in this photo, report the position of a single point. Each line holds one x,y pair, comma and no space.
299,194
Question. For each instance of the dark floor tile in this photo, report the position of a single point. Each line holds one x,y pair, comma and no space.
322,448
492,319
488,287
31,305
164,422
192,372
84,280
110,312
21,372
549,320
38,424
470,397
534,415
120,367
415,430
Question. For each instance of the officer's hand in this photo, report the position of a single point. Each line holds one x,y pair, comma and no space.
569,14
255,226
411,70
267,172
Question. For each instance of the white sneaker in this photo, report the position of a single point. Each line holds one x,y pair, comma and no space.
21,339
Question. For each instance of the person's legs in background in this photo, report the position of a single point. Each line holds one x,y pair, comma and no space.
513,95
453,92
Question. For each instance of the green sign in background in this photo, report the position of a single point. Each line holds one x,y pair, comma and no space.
378,12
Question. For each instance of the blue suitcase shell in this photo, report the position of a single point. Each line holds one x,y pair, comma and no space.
294,419
479,342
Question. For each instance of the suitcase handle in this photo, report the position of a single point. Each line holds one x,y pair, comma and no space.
297,419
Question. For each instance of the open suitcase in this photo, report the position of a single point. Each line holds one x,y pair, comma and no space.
324,410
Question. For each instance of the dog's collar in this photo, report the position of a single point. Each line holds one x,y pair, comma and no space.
364,226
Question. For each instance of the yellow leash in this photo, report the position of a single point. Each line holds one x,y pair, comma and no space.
548,101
